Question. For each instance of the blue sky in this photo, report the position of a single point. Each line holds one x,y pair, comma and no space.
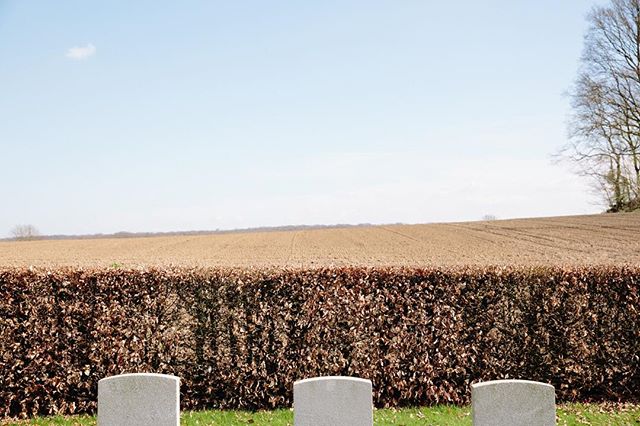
162,116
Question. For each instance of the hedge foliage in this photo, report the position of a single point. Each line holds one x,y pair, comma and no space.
240,338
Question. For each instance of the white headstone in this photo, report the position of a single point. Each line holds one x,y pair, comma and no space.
141,399
332,401
513,403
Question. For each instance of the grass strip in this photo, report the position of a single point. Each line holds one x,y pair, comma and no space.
567,414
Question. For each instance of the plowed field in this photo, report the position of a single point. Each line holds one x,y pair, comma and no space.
575,240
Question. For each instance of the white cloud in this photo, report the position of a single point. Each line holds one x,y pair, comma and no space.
80,53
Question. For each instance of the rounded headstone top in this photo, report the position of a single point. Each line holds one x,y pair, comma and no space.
333,379
142,375
509,382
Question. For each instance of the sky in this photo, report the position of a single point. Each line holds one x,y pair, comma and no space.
200,115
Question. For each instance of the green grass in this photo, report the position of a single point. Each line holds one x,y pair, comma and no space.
568,414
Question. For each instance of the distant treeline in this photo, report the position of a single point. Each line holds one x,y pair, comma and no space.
124,234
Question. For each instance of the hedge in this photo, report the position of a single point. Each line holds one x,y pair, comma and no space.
240,338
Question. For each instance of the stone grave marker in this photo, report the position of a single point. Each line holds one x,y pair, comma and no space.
513,403
141,399
332,401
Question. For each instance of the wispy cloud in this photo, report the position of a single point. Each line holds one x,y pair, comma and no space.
79,53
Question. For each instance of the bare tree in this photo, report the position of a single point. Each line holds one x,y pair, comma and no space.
605,124
24,232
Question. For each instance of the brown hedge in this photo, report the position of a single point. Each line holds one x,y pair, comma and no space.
240,338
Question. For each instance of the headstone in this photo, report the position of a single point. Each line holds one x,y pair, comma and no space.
141,399
513,403
332,401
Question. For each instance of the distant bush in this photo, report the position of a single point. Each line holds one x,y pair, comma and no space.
24,232
629,206
240,338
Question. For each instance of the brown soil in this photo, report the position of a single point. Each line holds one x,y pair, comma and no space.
568,240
